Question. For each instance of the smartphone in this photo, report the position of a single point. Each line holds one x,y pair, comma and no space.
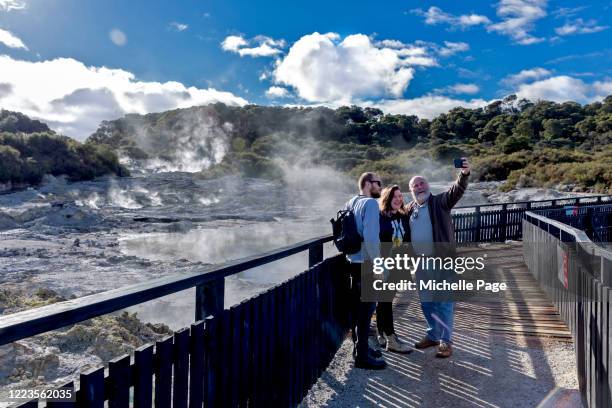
458,163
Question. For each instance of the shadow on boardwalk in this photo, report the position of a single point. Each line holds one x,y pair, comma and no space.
509,354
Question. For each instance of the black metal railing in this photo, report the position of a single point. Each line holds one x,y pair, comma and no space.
576,273
594,220
501,222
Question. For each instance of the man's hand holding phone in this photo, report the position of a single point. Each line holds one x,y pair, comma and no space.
463,164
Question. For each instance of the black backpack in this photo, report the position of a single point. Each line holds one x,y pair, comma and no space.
344,230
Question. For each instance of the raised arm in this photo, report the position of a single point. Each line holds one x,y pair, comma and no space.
455,192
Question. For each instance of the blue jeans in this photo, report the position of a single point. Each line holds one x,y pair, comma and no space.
439,316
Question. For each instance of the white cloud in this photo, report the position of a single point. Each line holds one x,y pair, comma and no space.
10,40
451,48
435,15
427,106
518,19
420,54
567,11
580,26
178,26
233,43
325,68
275,92
73,98
602,88
463,89
118,37
557,89
264,46
526,75
8,5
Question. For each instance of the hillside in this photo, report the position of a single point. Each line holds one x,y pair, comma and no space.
528,144
29,150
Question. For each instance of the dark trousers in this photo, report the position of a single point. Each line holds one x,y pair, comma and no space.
384,318
361,312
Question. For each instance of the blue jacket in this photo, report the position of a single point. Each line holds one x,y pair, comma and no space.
368,226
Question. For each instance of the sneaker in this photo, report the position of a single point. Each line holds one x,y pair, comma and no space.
426,342
382,340
396,345
370,363
445,350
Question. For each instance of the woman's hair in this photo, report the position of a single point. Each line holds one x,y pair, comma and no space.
386,196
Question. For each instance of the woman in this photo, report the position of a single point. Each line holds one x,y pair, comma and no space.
394,231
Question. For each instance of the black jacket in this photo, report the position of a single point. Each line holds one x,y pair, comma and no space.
440,206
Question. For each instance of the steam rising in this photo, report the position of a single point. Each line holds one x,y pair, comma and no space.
192,144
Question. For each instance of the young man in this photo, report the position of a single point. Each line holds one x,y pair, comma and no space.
432,234
365,208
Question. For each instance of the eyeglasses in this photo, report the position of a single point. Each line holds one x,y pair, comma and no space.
377,181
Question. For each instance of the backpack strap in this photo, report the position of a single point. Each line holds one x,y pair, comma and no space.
351,205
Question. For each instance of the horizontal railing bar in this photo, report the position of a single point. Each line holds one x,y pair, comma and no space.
532,202
580,236
31,322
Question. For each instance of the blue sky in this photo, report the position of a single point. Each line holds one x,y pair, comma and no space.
74,63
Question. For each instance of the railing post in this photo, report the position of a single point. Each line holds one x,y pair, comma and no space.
504,222
210,298
477,232
315,254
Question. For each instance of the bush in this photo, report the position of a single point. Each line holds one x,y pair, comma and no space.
28,157
515,143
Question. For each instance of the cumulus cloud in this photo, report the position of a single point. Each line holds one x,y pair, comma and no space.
518,19
8,5
10,40
178,26
118,37
435,15
276,92
427,106
526,75
580,26
326,68
560,88
259,46
73,98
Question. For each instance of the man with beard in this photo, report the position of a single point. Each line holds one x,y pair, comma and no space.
365,209
432,234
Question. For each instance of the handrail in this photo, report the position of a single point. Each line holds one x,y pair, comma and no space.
578,200
31,322
580,236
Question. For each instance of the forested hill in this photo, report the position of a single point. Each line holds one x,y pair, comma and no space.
29,150
529,144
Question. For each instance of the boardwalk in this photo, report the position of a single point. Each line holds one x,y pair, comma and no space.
516,353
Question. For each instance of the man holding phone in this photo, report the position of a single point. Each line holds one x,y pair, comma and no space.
432,234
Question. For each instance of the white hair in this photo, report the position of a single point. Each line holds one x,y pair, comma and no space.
411,182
